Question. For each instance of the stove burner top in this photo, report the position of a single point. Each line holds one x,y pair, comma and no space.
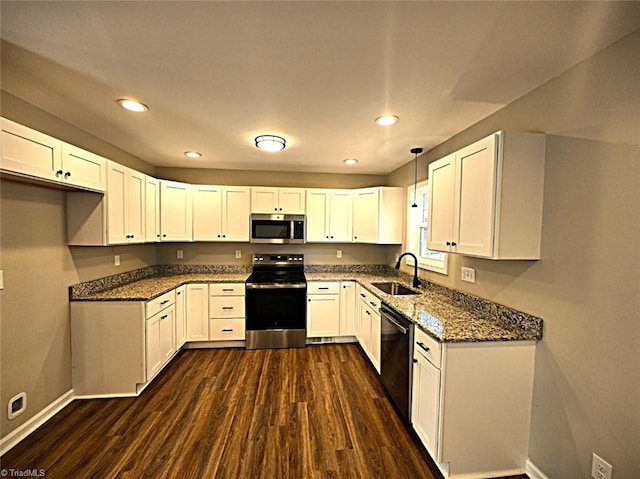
284,270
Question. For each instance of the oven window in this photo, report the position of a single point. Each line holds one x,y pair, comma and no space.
262,229
276,309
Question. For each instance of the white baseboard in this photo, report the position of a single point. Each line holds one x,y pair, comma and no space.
533,472
14,437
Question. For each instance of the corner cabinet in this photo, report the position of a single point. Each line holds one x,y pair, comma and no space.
471,404
221,213
378,215
329,216
486,199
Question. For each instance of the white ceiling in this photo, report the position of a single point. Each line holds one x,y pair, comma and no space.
216,74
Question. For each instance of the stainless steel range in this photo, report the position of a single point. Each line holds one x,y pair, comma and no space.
276,304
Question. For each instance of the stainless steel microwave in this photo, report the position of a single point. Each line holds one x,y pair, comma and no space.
278,229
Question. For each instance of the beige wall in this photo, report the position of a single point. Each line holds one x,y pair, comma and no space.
586,287
269,178
38,266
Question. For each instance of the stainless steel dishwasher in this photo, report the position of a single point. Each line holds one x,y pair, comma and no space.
396,345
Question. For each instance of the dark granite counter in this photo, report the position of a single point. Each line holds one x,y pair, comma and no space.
448,315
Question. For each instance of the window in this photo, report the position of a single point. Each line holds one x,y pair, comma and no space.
417,231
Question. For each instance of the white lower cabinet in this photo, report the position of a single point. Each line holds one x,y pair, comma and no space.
118,347
197,312
348,308
181,316
323,309
471,404
368,326
227,312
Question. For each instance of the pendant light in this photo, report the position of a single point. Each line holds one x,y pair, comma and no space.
416,152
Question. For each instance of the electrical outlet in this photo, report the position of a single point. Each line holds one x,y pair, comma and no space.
238,254
179,254
116,260
339,253
469,275
600,469
1,279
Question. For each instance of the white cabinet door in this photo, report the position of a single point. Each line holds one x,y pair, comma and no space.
347,308
83,168
292,201
30,152
197,312
152,209
264,200
125,204
365,215
474,210
341,218
117,205
374,341
317,215
207,213
323,315
136,200
236,207
441,201
175,211
181,316
160,340
425,402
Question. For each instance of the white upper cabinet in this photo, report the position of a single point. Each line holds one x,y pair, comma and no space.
278,200
486,199
125,205
29,153
152,210
329,216
221,213
175,211
377,215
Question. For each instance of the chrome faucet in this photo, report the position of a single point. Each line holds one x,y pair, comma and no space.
416,281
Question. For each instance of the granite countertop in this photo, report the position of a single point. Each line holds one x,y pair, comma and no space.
445,314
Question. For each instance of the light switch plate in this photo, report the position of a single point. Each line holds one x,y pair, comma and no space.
339,254
1,279
116,259
179,254
238,254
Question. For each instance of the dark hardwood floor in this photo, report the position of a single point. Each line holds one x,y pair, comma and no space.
231,413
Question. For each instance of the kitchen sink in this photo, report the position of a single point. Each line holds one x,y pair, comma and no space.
394,289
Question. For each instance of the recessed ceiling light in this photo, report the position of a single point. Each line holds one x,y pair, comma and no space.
350,161
387,120
270,142
132,105
192,154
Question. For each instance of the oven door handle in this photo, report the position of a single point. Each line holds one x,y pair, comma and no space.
276,285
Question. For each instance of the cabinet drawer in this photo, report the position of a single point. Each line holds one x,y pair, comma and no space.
226,289
323,287
226,329
428,347
369,298
160,303
223,307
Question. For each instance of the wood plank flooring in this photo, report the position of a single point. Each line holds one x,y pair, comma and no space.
316,412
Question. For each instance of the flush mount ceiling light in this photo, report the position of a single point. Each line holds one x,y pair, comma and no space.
193,154
350,161
416,152
387,120
132,105
270,142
